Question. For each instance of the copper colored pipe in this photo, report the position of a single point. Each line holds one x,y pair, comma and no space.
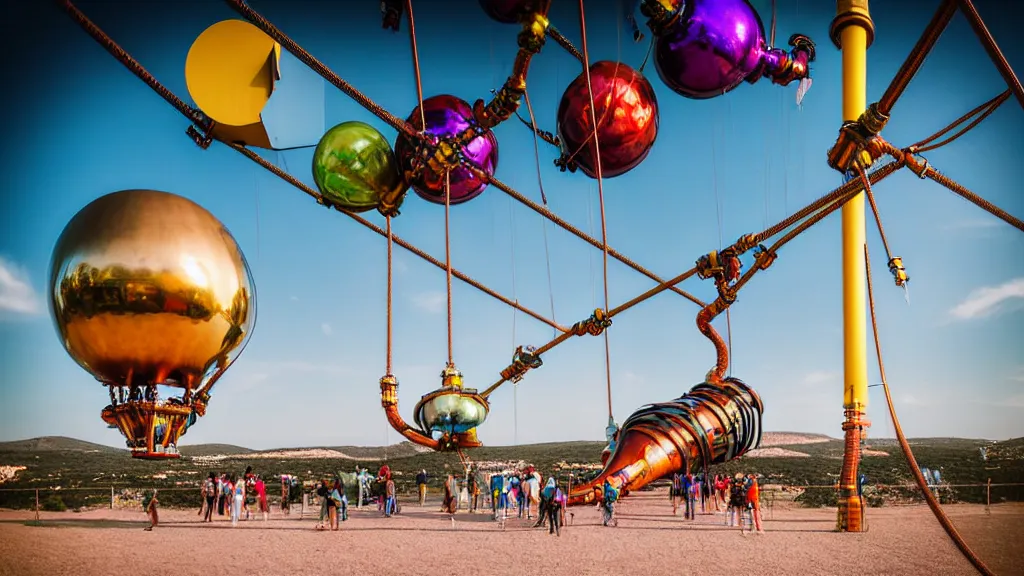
915,59
1005,70
389,401
711,424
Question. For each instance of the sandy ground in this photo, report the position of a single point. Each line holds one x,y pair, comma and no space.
649,540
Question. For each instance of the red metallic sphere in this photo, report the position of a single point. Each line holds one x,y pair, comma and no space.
627,119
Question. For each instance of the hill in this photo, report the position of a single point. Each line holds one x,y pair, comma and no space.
55,444
212,449
786,460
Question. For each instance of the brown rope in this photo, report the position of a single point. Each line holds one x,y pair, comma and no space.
918,53
985,110
981,31
448,257
561,223
826,200
600,198
536,145
416,64
317,66
963,192
397,240
827,205
841,195
390,273
564,43
131,63
933,503
874,210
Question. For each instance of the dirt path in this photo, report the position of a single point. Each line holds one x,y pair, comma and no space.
648,541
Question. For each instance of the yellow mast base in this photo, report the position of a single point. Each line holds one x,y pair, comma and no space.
853,31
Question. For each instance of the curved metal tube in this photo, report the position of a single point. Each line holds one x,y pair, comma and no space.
704,318
508,98
716,421
711,424
389,401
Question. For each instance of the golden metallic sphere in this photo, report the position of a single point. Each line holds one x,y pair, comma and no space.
148,287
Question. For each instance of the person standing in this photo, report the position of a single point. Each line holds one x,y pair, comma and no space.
676,491
754,502
362,477
151,511
261,498
421,485
688,495
737,500
390,498
473,485
609,494
286,494
238,500
210,494
497,486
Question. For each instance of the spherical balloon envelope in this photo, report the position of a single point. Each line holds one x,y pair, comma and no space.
148,288
710,48
355,168
509,11
448,117
627,119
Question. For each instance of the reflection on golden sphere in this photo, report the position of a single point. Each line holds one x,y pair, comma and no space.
148,287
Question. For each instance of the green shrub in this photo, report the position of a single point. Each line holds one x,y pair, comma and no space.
53,503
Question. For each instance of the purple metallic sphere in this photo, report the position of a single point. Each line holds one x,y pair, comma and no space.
627,119
447,117
712,47
510,11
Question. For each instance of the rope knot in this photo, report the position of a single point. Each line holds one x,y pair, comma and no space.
594,325
764,257
524,359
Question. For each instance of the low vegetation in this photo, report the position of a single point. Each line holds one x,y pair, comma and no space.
75,474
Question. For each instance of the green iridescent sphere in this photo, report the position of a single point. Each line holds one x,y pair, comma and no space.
355,167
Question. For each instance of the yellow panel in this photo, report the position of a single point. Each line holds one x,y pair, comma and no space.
229,72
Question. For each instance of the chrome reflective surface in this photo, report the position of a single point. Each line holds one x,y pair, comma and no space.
451,411
148,287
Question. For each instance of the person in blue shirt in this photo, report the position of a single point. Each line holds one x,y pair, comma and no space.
609,495
516,488
688,495
497,485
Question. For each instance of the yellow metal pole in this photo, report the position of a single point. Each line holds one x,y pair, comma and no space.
853,31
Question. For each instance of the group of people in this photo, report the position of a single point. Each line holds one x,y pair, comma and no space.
740,495
333,503
231,495
517,492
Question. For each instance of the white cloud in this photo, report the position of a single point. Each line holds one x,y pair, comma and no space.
910,400
432,302
327,330
987,300
631,379
293,298
16,294
819,377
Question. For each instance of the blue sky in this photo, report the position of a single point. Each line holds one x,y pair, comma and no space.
81,126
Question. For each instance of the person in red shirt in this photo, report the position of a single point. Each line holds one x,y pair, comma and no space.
754,501
261,496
